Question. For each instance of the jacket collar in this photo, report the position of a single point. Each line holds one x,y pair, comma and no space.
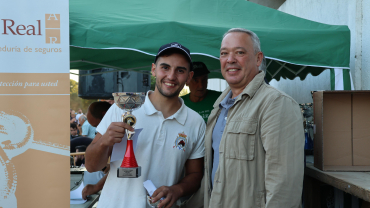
180,115
249,90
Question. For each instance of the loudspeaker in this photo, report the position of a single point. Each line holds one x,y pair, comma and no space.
101,83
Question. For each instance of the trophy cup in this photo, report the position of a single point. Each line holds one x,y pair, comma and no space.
129,101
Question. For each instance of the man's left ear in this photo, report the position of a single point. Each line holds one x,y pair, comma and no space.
190,76
153,69
259,58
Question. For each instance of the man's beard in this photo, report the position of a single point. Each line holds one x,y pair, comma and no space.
175,94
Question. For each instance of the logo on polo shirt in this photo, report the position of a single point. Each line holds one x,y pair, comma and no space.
181,141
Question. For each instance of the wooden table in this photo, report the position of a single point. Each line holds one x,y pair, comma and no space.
91,199
354,183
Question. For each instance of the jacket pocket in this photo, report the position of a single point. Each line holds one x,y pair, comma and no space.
241,138
261,200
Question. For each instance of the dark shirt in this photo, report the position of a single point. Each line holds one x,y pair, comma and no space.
79,141
72,137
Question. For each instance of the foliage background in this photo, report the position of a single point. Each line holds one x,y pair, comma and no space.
77,102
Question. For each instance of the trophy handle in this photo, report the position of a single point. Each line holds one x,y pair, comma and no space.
130,120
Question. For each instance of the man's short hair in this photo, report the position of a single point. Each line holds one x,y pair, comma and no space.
256,43
96,109
254,37
73,126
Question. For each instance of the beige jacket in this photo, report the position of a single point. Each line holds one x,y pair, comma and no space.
261,151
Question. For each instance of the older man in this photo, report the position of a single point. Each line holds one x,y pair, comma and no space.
200,98
86,128
254,139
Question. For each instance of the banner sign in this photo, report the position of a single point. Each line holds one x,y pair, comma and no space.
34,103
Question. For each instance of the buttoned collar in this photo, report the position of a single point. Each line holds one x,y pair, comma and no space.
180,115
149,108
254,85
227,102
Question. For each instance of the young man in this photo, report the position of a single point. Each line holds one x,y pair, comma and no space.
171,139
74,133
254,140
200,98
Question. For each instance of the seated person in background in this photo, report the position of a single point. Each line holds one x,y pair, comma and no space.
200,99
95,188
95,180
78,142
86,129
79,160
95,114
74,133
73,117
79,113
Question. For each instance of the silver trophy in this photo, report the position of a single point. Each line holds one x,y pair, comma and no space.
129,101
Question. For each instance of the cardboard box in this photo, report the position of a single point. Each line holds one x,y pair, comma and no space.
342,138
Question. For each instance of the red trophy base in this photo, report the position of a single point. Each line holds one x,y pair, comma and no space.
129,167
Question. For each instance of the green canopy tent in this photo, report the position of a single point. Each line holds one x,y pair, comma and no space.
125,35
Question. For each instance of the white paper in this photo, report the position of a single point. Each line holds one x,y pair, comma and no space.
119,149
149,186
76,195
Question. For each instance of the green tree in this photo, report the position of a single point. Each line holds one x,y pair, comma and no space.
152,82
73,86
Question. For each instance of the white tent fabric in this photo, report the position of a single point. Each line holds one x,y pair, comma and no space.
341,79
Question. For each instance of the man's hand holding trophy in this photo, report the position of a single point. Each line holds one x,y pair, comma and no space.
129,102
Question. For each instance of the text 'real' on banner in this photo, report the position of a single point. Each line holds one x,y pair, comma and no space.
34,103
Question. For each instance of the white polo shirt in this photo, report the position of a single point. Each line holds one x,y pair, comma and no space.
163,147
